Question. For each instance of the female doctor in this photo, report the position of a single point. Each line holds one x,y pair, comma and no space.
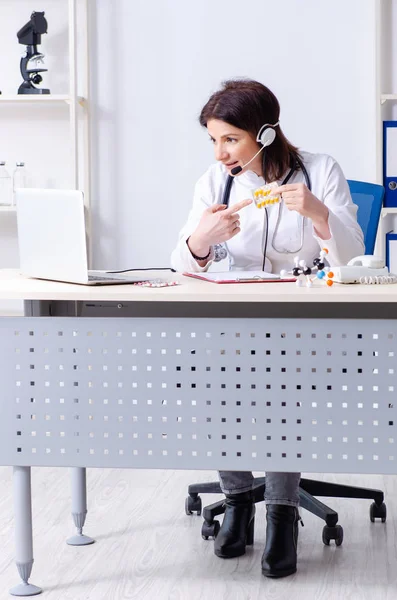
242,120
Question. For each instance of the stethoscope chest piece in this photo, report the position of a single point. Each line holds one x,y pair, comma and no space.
220,252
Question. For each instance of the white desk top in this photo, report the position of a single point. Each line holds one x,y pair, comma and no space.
13,286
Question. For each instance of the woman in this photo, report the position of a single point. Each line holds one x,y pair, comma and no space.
242,120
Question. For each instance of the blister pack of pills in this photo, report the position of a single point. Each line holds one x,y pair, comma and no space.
157,283
263,195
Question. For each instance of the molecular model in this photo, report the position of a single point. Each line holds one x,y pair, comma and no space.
263,196
302,272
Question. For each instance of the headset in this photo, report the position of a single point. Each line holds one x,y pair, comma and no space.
265,137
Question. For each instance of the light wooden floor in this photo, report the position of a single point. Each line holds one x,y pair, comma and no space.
147,547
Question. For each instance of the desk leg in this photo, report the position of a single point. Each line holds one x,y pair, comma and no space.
79,507
23,531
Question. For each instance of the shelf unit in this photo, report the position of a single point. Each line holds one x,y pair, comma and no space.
384,223
40,99
382,98
79,150
385,97
389,211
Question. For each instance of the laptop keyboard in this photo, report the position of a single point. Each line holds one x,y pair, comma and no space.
116,277
99,278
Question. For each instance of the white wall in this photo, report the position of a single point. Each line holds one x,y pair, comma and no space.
162,60
153,65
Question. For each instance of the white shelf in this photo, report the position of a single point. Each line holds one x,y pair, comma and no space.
39,98
384,97
68,102
389,211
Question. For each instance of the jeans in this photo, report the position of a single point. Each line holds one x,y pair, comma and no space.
281,488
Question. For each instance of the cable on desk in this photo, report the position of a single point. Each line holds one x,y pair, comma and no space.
145,269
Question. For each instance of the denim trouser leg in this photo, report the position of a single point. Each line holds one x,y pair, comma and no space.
281,488
236,482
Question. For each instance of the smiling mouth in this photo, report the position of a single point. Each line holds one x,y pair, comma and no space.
231,164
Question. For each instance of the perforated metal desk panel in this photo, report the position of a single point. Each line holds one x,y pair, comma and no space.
200,376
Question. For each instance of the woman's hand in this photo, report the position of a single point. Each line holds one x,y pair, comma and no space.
218,224
298,197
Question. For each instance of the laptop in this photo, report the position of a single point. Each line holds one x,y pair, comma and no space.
52,238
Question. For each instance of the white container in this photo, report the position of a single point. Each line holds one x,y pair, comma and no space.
5,186
18,178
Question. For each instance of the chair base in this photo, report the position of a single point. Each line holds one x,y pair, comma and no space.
308,489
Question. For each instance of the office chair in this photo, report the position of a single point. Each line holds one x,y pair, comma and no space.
368,197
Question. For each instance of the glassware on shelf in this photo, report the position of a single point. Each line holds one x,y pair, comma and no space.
18,179
6,195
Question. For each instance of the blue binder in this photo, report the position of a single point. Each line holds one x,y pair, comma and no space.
391,252
390,163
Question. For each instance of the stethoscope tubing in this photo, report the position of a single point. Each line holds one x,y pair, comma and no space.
226,198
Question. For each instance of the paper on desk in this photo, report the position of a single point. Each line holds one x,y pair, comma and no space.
238,277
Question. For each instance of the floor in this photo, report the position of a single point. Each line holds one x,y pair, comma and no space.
147,548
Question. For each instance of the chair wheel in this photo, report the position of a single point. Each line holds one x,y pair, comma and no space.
193,505
210,530
377,512
333,533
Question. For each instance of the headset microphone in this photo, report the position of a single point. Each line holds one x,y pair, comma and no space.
238,169
265,137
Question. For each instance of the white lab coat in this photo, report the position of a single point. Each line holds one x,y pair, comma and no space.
245,250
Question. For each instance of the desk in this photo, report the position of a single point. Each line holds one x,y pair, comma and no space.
198,376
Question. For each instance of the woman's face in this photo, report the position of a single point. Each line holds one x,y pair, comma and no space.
233,146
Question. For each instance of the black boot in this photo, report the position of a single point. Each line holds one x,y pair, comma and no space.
279,557
237,529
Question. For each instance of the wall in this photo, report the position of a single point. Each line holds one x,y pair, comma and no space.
153,65
163,59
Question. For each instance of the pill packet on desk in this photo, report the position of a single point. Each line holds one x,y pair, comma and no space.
263,195
157,283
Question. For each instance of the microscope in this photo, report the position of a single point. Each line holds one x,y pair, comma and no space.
31,63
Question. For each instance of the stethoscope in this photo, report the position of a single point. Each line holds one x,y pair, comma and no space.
221,251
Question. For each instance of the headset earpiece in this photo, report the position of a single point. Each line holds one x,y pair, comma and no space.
265,137
267,134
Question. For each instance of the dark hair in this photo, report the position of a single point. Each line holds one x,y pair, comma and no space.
248,105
